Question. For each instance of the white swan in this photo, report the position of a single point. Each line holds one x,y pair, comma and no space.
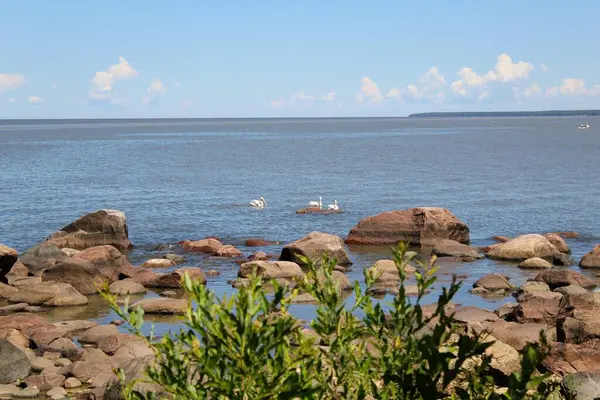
316,204
261,203
334,206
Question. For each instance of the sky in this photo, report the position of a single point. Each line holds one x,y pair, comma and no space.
120,59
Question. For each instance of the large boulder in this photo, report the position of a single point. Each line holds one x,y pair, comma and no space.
537,307
102,227
271,269
524,247
454,249
515,334
126,287
420,226
557,278
14,364
134,371
592,259
88,270
314,246
8,257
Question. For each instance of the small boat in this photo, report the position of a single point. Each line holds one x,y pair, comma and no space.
584,126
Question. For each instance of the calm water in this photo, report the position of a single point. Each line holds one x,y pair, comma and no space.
189,179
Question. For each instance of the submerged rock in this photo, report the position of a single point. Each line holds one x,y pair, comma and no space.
495,283
102,227
176,258
174,279
258,242
229,251
207,246
535,263
417,226
162,305
270,269
314,246
126,287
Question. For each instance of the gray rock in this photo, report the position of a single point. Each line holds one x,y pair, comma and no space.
9,390
582,386
14,363
56,393
571,289
176,258
71,383
27,393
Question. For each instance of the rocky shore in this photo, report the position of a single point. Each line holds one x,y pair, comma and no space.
76,358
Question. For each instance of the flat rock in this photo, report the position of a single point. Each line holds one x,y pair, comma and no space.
535,263
45,381
473,314
569,358
93,335
14,363
126,286
159,263
524,247
271,269
229,251
416,226
27,393
56,393
71,383
591,260
314,246
518,335
533,287
7,291
457,250
258,242
67,296
102,227
162,305
46,334
36,294
494,282
38,364
9,390
571,289
537,307
76,325
557,278
207,246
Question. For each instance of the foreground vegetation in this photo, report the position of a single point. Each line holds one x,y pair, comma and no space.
248,346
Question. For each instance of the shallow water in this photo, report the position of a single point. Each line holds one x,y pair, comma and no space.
180,180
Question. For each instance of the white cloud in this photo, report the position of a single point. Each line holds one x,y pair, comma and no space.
103,82
33,100
505,70
301,97
12,100
370,91
329,97
544,67
432,79
530,91
570,87
157,87
359,98
11,81
394,93
484,94
279,103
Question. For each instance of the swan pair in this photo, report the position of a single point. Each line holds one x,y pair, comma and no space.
260,203
319,204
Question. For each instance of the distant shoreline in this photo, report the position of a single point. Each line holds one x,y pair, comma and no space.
499,114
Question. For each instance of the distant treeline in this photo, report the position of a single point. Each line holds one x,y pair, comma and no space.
549,113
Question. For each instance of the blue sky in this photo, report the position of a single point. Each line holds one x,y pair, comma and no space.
80,59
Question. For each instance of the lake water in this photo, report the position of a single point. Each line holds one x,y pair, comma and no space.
183,179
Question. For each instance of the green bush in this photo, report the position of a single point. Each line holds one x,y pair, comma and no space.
248,346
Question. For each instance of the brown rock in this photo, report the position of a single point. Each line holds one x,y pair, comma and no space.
206,246
524,247
134,371
578,318
93,363
271,269
42,256
501,239
90,269
389,266
102,227
571,289
158,263
537,307
174,279
35,294
557,278
176,258
535,263
93,335
76,325
213,272
18,269
567,234
591,260
72,383
314,246
568,358
126,287
14,364
62,345
417,226
534,287
46,334
15,337
67,296
7,291
452,248
504,358
558,242
258,256
518,335
494,282
25,323
473,314
162,306
45,382
229,251
143,276
257,242
8,257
